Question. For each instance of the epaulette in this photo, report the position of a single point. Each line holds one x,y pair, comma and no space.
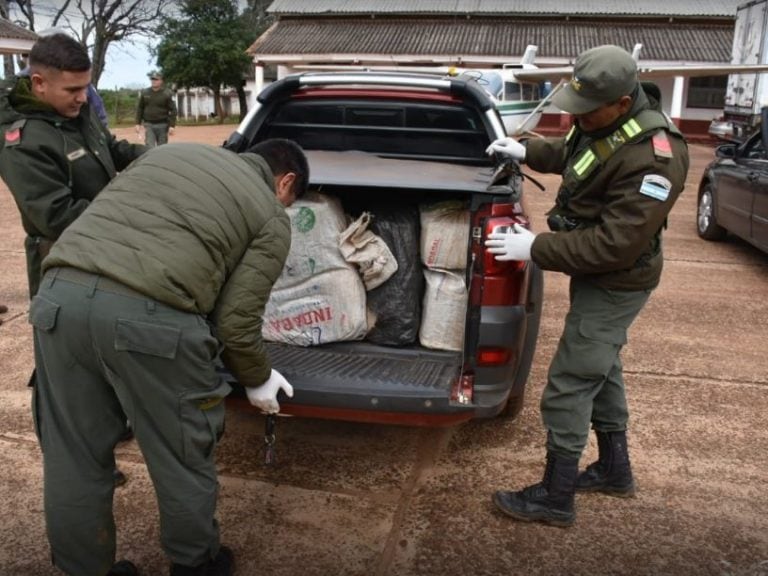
13,133
661,146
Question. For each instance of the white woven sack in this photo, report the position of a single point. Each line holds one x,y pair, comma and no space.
316,222
328,307
367,252
445,310
444,235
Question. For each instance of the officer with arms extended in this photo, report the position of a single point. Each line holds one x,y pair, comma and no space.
156,112
623,166
137,296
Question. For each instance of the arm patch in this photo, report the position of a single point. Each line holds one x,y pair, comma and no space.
656,186
13,133
661,146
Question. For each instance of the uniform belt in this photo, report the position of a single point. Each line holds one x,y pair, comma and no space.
91,280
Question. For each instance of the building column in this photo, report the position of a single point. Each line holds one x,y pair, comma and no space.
676,107
258,84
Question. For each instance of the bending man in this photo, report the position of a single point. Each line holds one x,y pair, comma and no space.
137,296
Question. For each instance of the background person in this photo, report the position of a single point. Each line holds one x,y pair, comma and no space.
623,164
156,112
126,329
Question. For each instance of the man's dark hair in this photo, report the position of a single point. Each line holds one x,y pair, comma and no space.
283,156
60,52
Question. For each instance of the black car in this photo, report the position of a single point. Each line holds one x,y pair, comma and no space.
733,194
397,140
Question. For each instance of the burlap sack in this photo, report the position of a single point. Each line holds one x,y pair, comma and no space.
316,222
328,307
444,235
362,248
445,310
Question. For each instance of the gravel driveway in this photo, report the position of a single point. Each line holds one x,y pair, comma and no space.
356,499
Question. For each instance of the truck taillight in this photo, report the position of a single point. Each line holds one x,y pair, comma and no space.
496,283
488,356
491,266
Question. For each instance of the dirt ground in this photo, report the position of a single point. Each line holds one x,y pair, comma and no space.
357,499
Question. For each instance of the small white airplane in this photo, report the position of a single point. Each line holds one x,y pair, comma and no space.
518,100
526,89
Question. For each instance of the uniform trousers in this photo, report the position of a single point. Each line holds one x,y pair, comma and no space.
156,133
585,381
104,353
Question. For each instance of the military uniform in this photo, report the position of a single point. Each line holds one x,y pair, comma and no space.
617,190
623,166
127,330
156,110
54,166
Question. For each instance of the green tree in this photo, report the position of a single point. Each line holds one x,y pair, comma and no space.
256,17
206,46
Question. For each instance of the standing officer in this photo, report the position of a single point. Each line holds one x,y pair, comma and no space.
55,155
156,111
122,319
623,166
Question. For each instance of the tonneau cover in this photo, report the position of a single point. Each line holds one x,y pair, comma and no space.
355,168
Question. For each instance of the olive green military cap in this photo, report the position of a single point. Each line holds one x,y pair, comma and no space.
601,75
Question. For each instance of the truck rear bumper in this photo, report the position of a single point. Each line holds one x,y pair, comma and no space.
362,382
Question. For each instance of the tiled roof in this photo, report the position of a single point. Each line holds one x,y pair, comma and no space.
493,37
686,8
10,30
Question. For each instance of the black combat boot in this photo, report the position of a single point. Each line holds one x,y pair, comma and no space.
222,565
611,473
550,501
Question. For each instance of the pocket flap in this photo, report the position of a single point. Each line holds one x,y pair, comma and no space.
43,313
603,332
146,338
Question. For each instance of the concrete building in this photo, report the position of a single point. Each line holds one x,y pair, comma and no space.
14,39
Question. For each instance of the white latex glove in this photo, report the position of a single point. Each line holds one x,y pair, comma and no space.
508,147
511,245
264,397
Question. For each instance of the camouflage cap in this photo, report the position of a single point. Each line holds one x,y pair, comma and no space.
155,75
601,75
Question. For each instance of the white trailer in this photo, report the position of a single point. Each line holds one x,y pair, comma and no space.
747,94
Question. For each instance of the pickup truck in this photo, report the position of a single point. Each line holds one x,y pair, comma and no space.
400,140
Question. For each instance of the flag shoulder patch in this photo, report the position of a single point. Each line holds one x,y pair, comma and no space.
655,186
